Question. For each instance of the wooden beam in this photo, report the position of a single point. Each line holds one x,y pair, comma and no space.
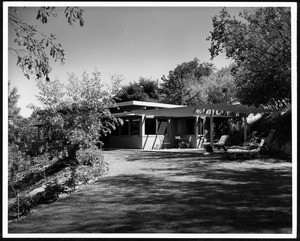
211,128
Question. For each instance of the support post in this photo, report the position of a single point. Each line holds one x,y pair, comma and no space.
142,131
196,130
245,128
211,128
142,125
18,205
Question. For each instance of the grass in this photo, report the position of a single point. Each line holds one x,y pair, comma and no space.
158,192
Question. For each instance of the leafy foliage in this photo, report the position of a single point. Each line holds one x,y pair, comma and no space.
18,165
13,114
32,45
179,86
25,205
80,119
220,87
49,195
89,157
260,44
143,90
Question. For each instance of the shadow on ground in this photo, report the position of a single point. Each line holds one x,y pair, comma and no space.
177,193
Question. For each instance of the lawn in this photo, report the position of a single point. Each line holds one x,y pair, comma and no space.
164,192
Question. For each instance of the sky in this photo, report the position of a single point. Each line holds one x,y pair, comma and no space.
130,41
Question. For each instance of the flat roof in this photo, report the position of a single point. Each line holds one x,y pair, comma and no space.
216,110
146,104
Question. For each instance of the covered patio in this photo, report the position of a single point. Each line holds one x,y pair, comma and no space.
166,128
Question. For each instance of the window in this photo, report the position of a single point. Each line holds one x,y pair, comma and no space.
125,128
150,126
116,132
190,130
162,128
135,127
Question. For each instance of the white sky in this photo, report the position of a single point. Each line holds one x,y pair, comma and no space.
131,41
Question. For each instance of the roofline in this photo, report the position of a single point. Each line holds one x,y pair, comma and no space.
146,104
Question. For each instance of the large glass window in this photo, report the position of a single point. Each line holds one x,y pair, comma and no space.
116,132
150,126
125,128
135,127
190,128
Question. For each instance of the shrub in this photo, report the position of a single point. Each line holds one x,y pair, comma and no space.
236,132
89,157
25,205
18,165
49,195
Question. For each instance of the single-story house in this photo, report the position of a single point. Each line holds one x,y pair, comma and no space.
150,125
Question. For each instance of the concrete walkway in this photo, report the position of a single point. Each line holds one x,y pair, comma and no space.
164,192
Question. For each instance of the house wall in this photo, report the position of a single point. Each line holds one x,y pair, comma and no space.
177,127
130,142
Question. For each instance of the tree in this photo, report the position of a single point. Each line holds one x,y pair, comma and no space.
31,45
182,86
13,113
260,44
219,87
79,118
143,90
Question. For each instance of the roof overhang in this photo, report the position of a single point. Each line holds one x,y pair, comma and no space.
215,110
145,104
243,109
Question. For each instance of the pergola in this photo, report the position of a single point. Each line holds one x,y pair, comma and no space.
231,109
206,110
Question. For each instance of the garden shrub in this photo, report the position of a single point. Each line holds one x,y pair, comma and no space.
25,205
89,157
276,128
49,195
235,132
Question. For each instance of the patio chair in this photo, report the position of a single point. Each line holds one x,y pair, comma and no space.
220,143
245,152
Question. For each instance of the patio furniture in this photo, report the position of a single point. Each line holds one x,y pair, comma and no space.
220,143
234,152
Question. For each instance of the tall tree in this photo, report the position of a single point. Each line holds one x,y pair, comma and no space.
220,87
179,86
31,45
144,90
80,118
13,113
260,44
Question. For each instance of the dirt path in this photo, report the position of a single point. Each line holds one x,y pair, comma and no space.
162,192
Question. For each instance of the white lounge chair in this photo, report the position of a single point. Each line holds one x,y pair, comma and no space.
245,152
220,143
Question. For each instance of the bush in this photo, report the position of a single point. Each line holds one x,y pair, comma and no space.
25,205
49,195
235,132
276,128
89,157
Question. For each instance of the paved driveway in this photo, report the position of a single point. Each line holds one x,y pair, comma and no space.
163,192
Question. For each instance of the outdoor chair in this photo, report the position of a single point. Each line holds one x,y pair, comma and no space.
186,143
245,152
220,143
